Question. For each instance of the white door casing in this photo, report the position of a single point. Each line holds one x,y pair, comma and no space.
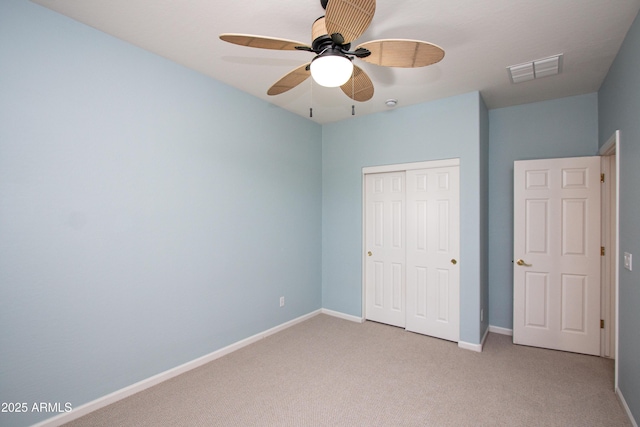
557,254
385,260
433,248
609,242
611,151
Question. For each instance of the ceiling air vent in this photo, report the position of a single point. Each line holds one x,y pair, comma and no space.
536,69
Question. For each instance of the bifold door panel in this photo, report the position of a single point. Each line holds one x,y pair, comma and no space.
385,235
433,290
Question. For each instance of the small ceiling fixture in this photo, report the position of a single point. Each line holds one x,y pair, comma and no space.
536,69
391,103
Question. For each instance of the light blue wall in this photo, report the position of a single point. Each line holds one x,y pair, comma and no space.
148,214
442,129
566,127
619,105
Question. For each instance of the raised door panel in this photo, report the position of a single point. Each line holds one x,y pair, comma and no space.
536,300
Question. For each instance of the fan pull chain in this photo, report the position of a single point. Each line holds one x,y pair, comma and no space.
311,96
353,91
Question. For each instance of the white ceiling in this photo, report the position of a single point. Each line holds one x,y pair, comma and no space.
480,37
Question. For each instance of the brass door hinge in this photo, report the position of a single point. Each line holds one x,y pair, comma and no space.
601,323
601,250
601,177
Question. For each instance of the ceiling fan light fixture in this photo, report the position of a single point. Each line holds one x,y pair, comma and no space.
331,70
332,35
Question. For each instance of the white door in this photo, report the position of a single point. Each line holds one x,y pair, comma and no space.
385,260
556,269
433,248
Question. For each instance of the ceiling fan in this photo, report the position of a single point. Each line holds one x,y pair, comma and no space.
332,34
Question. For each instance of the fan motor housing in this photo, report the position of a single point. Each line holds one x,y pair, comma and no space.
322,40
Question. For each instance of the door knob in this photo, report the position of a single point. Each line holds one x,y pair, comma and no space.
369,253
454,261
522,263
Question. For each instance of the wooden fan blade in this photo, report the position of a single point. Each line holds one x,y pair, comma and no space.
261,42
359,87
349,17
290,80
402,53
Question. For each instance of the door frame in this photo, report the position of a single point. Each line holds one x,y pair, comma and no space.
612,148
427,164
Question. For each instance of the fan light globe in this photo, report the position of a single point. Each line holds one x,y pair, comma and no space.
331,70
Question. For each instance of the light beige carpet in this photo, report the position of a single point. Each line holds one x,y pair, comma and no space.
332,372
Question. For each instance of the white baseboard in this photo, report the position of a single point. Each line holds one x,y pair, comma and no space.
501,331
484,337
626,407
470,346
342,315
164,376
474,347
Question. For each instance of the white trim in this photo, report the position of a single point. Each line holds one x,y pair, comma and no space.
363,259
612,146
474,347
501,331
617,258
342,315
117,395
484,337
470,346
626,407
606,280
409,166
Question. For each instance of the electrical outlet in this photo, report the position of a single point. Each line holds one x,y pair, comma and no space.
628,261
281,301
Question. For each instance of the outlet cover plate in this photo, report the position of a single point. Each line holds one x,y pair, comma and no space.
628,261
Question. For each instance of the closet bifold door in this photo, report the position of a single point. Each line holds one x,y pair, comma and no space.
432,252
385,242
